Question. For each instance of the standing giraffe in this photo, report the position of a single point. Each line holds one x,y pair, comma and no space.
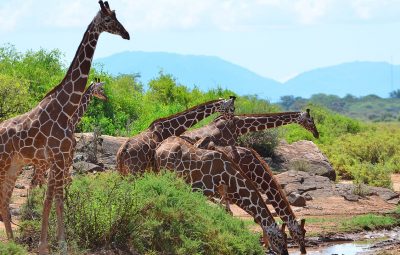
43,136
94,90
221,135
137,153
206,170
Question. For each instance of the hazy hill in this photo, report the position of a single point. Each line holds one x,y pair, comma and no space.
204,72
356,78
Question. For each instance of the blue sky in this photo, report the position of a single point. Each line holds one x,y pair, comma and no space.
274,38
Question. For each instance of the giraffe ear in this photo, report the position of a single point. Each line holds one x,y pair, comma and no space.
233,98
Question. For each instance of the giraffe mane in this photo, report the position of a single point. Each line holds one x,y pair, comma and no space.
266,167
182,112
257,115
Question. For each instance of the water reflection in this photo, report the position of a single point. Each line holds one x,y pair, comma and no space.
339,249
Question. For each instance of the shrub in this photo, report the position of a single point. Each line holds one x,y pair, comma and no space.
264,142
154,214
11,248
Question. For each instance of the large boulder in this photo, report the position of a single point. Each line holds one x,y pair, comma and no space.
302,156
106,149
306,184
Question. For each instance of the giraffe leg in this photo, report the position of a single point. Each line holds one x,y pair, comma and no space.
43,245
11,175
61,179
224,200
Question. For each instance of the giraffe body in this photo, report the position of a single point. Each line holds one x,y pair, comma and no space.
94,90
43,136
137,154
206,170
222,135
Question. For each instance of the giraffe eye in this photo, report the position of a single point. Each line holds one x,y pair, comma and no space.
107,19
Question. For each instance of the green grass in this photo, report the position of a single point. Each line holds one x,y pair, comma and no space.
368,222
153,214
11,248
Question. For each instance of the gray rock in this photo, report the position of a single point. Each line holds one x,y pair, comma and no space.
385,194
351,197
297,200
308,197
302,182
19,186
84,167
15,212
302,156
107,148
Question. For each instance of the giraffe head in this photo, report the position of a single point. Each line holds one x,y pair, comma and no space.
277,238
307,122
298,232
106,21
98,90
227,108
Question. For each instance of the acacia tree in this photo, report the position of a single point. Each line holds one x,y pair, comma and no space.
14,97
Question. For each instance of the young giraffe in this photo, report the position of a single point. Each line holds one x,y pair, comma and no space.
95,89
207,170
137,153
43,136
222,135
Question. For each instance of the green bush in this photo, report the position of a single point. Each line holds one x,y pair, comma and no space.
369,156
153,214
330,126
264,142
11,248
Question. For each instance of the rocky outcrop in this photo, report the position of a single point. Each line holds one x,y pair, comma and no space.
310,186
94,156
302,156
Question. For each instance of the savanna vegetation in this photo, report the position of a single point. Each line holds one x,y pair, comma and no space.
158,212
365,151
153,214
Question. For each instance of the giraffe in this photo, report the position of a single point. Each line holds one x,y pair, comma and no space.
95,89
43,136
221,135
137,153
206,170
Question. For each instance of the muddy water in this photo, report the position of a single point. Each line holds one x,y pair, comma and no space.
363,243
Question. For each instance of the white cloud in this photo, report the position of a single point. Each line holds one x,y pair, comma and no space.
225,15
11,12
310,11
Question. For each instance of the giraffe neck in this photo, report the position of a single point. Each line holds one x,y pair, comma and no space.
257,122
87,96
67,95
177,124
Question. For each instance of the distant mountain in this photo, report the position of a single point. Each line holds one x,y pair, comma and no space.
203,71
356,78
